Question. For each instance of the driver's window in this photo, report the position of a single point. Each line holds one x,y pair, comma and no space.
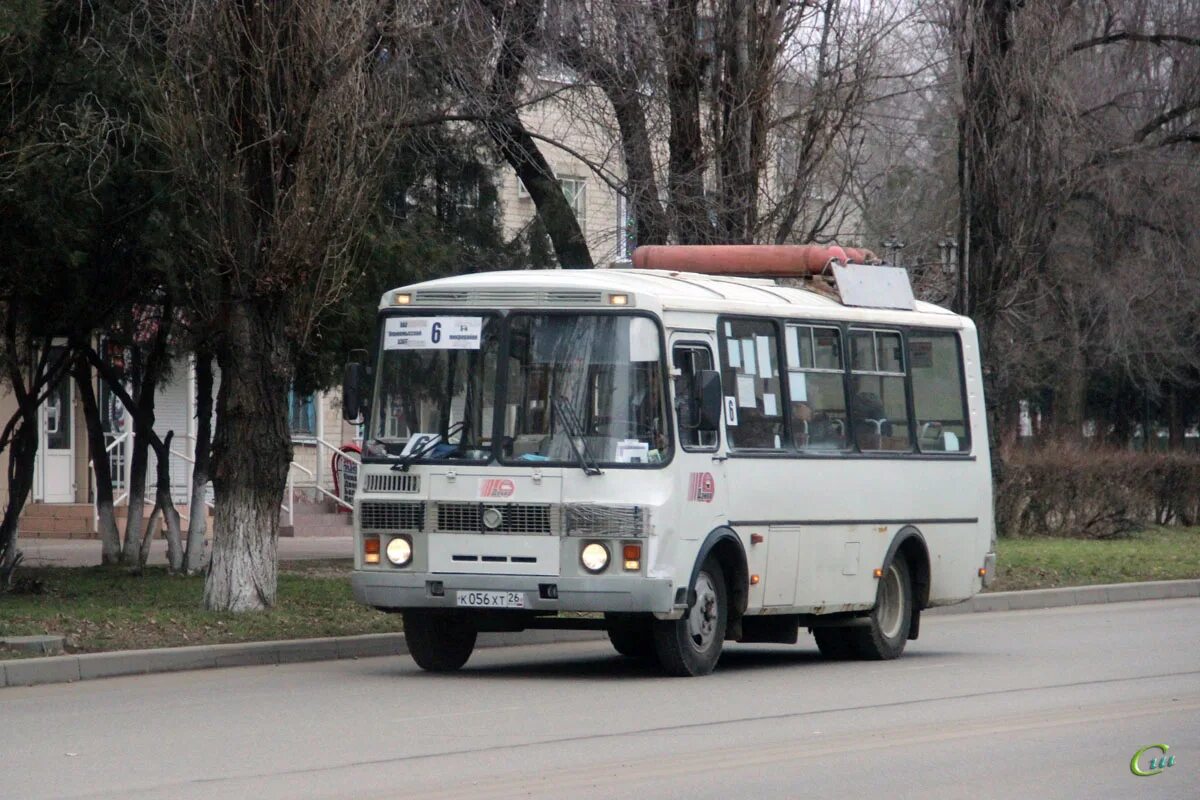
688,361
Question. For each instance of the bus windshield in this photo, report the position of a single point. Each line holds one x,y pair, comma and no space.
585,383
580,389
435,387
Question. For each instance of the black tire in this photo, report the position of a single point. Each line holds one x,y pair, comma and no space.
631,635
884,638
439,641
835,644
690,646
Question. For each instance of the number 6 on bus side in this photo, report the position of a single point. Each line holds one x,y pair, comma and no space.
435,335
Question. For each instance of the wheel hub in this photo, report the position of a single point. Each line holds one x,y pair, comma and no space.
702,619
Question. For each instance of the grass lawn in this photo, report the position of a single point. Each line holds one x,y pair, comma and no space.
106,609
1157,554
101,609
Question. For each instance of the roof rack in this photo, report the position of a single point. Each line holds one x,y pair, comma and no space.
851,276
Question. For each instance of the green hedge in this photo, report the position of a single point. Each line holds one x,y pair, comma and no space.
1095,494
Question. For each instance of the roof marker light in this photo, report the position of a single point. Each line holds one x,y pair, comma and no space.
401,298
618,299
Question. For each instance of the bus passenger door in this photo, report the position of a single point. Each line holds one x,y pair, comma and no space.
699,461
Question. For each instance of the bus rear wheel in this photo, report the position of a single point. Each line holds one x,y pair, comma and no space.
884,638
691,645
439,641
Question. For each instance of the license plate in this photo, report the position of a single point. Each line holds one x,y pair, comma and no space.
491,599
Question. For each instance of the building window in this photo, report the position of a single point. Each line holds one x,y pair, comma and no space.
575,190
302,414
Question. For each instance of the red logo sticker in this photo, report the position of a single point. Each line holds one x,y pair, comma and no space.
497,487
701,487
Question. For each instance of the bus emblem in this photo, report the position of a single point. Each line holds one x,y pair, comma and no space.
702,487
497,487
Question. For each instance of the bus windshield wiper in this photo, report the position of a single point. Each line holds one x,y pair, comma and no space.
427,448
574,427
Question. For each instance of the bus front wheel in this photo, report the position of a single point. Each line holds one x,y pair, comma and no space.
631,634
439,641
691,645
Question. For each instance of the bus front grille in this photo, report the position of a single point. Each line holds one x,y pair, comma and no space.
383,516
589,519
513,518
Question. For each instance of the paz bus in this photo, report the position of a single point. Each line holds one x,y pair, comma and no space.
719,443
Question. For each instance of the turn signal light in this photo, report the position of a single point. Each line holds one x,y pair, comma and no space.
982,571
371,550
878,572
632,555
754,579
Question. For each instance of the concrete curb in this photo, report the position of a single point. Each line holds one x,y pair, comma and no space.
1073,596
87,666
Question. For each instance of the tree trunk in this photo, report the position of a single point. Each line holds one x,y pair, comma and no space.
622,86
139,464
685,165
110,536
251,454
194,557
519,23
164,504
1175,426
21,455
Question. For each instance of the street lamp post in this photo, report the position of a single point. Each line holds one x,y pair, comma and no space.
893,245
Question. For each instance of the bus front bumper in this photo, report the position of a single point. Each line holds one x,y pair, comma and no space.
399,590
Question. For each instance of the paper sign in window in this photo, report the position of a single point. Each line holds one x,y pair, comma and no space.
734,348
750,365
731,411
793,347
432,333
770,407
798,387
764,355
745,392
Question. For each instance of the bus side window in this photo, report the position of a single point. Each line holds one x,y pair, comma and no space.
816,391
690,359
879,405
939,403
752,383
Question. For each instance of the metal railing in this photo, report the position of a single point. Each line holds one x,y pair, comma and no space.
122,478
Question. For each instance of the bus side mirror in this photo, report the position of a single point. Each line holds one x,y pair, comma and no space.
352,378
708,397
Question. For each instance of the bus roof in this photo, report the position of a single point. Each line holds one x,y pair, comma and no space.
655,290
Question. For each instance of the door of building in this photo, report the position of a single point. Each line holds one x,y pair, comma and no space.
56,450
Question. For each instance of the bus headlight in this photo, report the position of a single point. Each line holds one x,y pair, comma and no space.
594,557
399,551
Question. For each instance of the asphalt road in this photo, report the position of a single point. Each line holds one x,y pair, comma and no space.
1033,704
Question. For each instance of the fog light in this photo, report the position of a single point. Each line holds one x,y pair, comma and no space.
371,550
594,557
399,551
632,555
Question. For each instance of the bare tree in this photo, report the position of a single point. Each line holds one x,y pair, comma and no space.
275,115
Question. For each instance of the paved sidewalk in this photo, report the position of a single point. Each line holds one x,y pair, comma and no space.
86,552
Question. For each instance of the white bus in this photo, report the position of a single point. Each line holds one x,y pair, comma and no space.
697,457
